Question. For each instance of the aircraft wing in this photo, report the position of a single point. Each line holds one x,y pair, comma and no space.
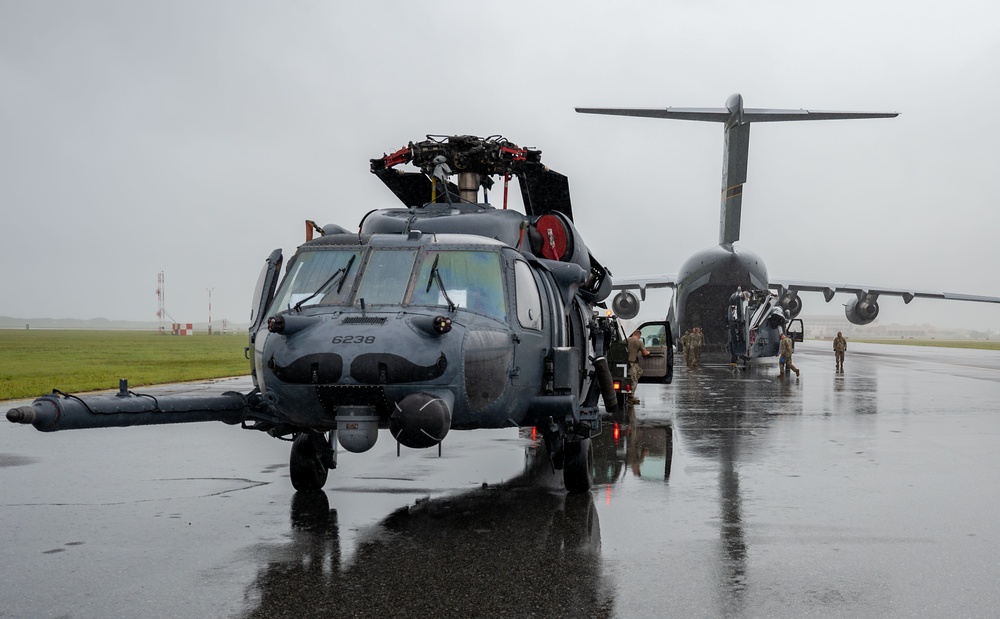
908,295
642,283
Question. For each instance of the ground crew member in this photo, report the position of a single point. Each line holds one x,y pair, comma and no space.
686,343
785,362
635,348
839,348
697,342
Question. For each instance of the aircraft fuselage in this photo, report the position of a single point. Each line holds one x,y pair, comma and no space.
704,284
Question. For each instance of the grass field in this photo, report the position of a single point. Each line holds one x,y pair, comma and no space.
976,344
33,362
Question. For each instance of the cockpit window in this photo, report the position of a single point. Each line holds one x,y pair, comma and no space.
386,276
529,302
472,280
324,277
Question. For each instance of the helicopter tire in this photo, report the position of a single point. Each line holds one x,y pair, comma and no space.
577,465
305,466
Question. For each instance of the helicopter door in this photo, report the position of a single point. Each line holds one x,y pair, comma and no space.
658,367
263,294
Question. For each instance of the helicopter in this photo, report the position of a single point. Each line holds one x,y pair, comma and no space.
756,321
444,314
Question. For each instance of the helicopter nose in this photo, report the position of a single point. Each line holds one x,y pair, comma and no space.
420,420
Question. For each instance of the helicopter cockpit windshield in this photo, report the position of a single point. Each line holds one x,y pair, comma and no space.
318,277
472,280
467,279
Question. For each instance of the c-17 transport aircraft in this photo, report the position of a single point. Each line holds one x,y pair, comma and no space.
705,288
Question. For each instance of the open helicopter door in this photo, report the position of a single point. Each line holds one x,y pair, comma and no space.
658,367
263,294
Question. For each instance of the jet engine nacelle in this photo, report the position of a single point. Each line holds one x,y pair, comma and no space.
862,310
625,305
791,302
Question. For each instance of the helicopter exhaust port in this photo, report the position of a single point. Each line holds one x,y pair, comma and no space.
421,420
607,384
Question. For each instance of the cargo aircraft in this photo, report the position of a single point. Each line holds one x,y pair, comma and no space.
708,281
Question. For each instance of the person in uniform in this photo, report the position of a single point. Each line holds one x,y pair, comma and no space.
635,348
839,348
697,342
785,362
686,343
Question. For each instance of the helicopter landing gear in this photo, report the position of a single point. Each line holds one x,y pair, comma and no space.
578,462
310,461
570,450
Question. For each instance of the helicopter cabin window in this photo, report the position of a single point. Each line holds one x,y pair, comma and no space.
386,276
321,277
472,280
529,303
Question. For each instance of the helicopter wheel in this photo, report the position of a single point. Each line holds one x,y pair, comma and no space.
305,466
577,465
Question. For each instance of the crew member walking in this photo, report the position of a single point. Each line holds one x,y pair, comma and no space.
686,344
839,348
697,341
785,362
635,348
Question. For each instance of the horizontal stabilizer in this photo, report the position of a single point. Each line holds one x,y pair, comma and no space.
721,115
736,148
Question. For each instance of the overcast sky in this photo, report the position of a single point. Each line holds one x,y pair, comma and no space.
195,137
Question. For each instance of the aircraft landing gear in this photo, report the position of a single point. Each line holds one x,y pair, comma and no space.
578,462
570,450
310,461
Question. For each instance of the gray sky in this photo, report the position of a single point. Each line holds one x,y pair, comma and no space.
195,137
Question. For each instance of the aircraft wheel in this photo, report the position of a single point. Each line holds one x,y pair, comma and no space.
578,464
305,466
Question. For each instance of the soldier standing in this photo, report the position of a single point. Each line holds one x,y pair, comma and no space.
635,348
785,362
686,343
839,348
697,342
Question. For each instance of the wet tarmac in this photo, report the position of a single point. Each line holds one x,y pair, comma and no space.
726,494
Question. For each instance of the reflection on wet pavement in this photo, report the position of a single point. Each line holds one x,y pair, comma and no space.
514,550
726,494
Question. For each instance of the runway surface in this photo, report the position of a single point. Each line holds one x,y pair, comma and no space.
726,494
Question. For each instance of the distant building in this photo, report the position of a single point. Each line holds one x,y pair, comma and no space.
826,327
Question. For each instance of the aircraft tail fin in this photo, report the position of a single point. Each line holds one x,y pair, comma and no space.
737,121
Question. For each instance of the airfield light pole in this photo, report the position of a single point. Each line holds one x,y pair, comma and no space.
160,311
210,309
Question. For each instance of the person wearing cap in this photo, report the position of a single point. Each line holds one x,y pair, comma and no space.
635,348
697,342
785,362
686,345
839,348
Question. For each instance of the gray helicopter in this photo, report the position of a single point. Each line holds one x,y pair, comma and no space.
445,314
